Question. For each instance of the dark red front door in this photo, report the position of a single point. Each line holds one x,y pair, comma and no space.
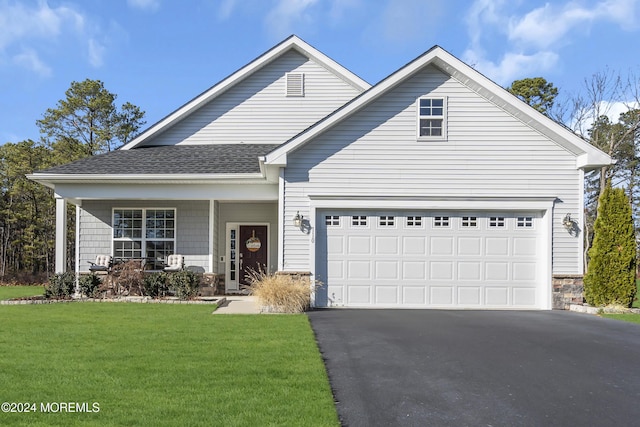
253,250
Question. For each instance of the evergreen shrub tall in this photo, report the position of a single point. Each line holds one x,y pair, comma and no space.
610,278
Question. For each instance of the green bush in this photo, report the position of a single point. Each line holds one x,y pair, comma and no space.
90,285
610,278
60,286
185,283
155,284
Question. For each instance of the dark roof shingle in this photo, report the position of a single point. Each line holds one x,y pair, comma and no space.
171,159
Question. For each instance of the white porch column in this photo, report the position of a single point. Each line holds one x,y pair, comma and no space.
61,234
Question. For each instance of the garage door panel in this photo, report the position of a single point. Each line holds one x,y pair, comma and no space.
497,246
336,270
524,296
359,245
414,270
387,270
414,245
470,295
387,260
469,246
496,271
524,246
387,245
441,246
359,294
441,295
496,296
358,270
441,270
469,270
524,271
386,294
413,295
335,245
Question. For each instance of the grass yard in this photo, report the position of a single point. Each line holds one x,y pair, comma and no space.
156,364
8,292
627,317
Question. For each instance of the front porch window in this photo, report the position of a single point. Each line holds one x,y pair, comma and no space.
144,233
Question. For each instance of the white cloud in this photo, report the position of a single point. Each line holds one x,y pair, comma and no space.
512,65
96,53
549,25
31,33
19,22
150,5
532,41
288,14
29,59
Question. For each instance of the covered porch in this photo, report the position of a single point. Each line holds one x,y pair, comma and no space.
226,236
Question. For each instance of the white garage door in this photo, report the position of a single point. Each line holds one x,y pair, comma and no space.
427,259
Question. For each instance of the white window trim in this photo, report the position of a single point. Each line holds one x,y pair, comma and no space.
143,238
442,137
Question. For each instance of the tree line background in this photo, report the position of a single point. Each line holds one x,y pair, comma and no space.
88,122
85,123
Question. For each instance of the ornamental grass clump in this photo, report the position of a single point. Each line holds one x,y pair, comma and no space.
280,293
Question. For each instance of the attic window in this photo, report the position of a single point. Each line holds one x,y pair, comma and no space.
432,118
295,84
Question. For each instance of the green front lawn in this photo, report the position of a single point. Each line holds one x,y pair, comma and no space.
148,364
627,317
8,292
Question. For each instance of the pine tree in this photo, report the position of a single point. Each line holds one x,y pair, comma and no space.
610,278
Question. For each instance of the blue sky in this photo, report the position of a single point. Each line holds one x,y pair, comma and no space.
158,54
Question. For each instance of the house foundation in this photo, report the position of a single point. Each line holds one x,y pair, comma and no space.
567,289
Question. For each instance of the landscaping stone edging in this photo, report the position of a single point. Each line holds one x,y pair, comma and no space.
600,310
138,300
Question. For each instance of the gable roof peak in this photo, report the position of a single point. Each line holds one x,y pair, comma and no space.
292,42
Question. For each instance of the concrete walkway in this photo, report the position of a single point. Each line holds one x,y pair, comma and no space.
238,304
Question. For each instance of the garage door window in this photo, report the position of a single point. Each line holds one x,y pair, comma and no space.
524,222
496,222
414,221
441,221
469,221
332,220
387,221
359,221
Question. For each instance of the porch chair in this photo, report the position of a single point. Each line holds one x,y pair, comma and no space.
102,263
174,262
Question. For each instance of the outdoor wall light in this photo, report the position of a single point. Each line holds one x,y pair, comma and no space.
568,222
297,220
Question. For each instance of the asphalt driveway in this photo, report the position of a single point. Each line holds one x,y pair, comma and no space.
480,368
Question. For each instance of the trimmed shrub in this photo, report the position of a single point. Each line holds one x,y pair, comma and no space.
128,278
90,285
610,279
281,293
185,283
155,284
60,286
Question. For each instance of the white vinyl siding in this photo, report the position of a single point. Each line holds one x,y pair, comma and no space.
257,111
488,154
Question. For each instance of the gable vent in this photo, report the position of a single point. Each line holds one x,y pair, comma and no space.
295,84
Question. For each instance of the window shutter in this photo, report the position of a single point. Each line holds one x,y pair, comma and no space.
295,84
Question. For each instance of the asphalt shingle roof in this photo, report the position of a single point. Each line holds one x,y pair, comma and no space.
171,159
